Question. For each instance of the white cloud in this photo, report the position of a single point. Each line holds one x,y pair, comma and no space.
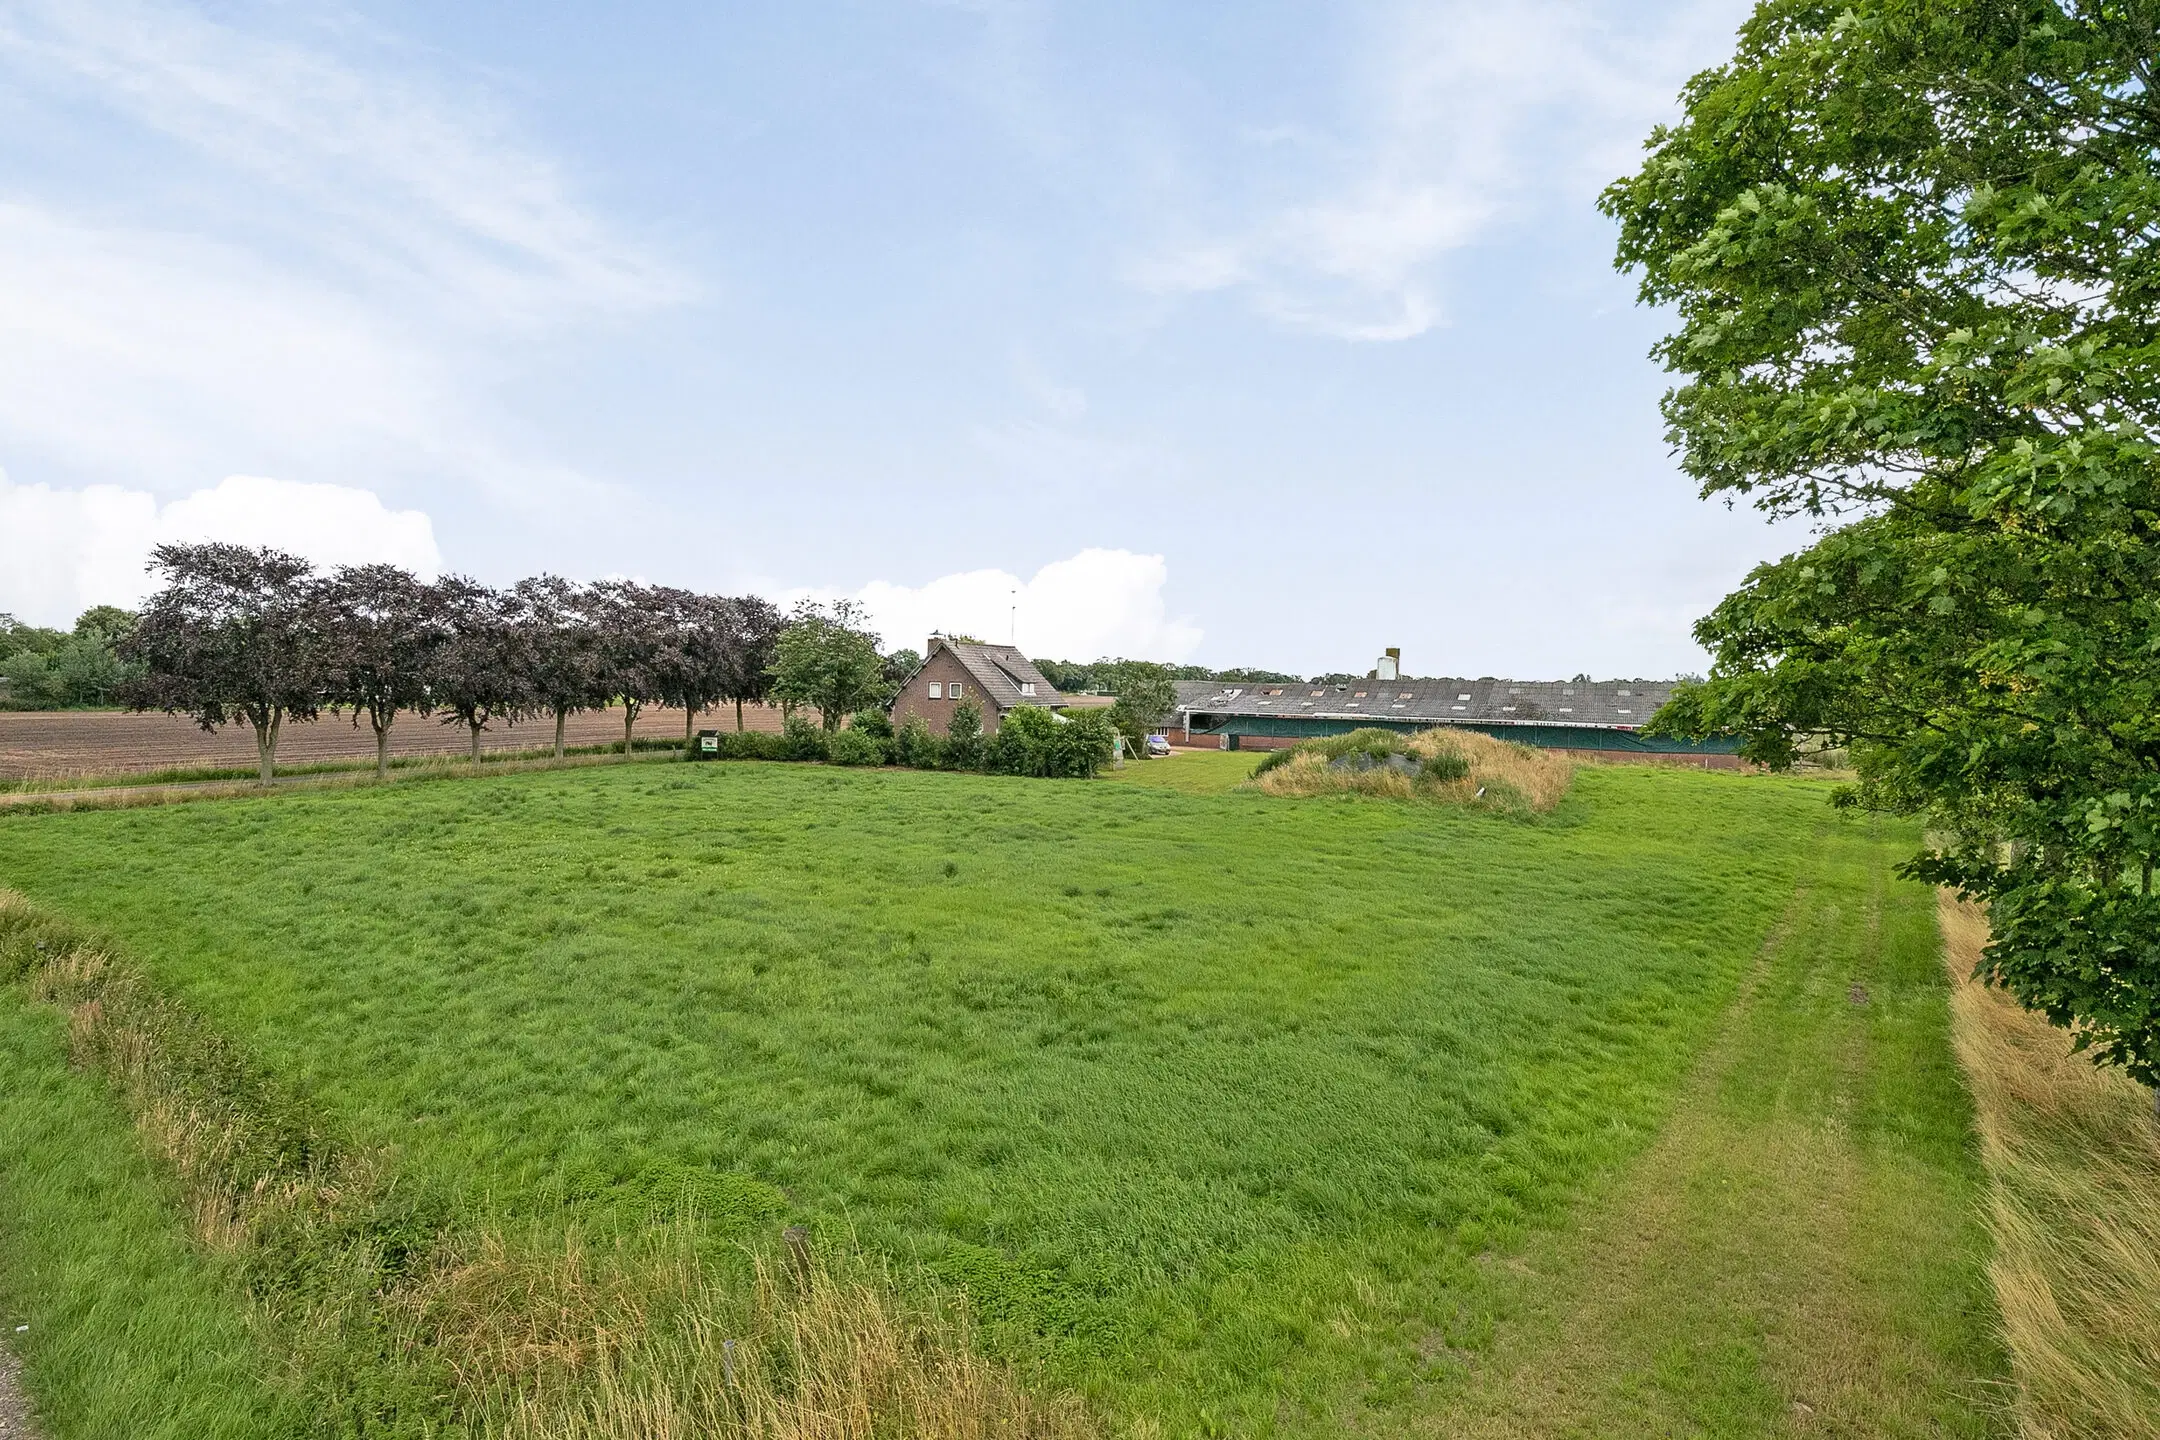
1099,602
1456,111
311,257
62,551
417,180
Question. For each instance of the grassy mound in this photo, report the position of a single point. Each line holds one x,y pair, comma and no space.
1459,767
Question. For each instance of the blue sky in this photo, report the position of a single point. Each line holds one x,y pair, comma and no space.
1246,333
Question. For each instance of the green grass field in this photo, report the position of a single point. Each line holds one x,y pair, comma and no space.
1234,1112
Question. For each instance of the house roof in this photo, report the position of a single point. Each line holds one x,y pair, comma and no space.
1001,671
1599,704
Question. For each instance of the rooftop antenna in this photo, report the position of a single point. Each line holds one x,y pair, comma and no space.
1012,620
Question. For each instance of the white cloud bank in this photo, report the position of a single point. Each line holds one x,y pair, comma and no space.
1099,602
62,551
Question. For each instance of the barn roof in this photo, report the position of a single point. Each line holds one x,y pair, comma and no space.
1601,704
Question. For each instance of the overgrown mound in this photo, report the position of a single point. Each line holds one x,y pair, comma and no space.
1458,767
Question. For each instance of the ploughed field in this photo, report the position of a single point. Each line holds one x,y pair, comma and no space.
67,744
1238,1114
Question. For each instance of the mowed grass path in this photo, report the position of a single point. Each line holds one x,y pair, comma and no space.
1216,1104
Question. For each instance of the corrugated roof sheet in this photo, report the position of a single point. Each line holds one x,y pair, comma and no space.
1606,704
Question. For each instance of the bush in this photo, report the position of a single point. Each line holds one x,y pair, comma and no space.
872,722
855,747
752,745
913,744
963,737
801,740
1086,742
1032,741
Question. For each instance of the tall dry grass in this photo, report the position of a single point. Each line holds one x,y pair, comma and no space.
1500,775
553,1341
428,1324
2073,1159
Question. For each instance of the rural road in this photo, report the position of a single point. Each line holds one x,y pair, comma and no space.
14,1409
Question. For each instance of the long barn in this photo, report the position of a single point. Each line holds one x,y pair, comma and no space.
1599,717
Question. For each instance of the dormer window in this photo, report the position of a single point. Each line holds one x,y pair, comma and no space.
1027,687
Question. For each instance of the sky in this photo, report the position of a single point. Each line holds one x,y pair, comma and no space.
1235,334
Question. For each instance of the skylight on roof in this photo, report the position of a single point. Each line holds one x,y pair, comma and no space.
1462,697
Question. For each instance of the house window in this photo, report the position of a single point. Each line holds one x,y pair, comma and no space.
1027,687
952,691
937,691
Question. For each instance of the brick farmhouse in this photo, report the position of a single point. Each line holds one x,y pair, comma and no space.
997,678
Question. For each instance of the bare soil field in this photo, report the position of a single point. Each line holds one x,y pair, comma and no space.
73,744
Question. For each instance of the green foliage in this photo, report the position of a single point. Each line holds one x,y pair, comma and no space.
1910,249
1146,695
801,740
914,745
872,722
963,747
46,669
1032,741
827,658
854,747
1053,1040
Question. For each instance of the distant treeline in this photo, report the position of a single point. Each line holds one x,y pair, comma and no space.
1113,677
43,669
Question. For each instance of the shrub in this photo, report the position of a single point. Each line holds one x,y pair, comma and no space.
913,744
854,747
963,737
802,740
1086,742
872,722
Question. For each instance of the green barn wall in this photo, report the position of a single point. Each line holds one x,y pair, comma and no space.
1551,737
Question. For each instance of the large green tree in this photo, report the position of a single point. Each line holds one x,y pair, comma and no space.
828,657
1913,249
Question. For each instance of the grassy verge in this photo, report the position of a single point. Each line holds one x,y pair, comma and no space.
1800,1252
2073,1158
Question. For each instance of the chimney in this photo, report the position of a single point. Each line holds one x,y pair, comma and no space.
1390,665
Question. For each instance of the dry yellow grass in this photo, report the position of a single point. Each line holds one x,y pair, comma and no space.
2073,1157
553,1342
1501,775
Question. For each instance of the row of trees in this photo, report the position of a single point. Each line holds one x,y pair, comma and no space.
255,636
44,669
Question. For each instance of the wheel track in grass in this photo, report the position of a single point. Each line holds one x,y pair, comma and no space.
1738,1279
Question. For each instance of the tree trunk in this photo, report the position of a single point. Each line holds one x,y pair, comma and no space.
629,719
558,732
382,750
266,750
738,717
475,724
689,719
